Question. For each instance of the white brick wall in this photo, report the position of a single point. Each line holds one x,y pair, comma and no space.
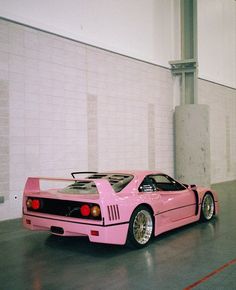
222,104
74,107
4,140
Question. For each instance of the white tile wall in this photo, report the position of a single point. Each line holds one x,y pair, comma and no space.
4,139
75,107
222,104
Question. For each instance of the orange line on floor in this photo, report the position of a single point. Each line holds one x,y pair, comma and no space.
210,275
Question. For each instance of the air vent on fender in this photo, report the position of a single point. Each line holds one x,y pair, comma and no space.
113,212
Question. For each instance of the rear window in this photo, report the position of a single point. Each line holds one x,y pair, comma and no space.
117,181
80,187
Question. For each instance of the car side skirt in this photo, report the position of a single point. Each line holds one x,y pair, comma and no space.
161,227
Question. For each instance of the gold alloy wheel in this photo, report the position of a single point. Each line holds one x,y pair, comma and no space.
142,227
208,206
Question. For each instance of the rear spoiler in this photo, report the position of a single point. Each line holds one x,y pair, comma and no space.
104,188
82,172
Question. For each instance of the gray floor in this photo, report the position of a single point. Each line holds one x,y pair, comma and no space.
36,261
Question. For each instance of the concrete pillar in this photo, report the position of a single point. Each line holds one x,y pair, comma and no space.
192,144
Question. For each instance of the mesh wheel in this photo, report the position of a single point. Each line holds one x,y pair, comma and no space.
208,207
140,228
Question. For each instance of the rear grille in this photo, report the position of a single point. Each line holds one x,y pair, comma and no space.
59,207
113,212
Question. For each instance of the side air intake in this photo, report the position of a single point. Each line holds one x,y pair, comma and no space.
113,212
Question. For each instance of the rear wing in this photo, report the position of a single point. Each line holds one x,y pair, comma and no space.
104,188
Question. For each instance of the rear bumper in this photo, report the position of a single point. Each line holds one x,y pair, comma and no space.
110,234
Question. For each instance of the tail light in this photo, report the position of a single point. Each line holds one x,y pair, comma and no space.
33,204
92,210
29,203
67,208
95,211
85,210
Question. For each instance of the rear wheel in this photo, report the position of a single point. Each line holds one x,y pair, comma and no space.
208,207
140,228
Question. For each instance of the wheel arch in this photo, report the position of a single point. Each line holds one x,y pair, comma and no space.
130,242
148,206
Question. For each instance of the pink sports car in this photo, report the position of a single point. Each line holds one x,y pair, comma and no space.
128,207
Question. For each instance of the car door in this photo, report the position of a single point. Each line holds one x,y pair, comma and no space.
176,201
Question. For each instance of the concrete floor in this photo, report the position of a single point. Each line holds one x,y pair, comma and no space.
37,260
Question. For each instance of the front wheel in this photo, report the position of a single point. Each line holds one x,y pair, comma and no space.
208,207
140,228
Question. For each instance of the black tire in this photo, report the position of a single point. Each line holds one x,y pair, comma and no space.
141,227
207,207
